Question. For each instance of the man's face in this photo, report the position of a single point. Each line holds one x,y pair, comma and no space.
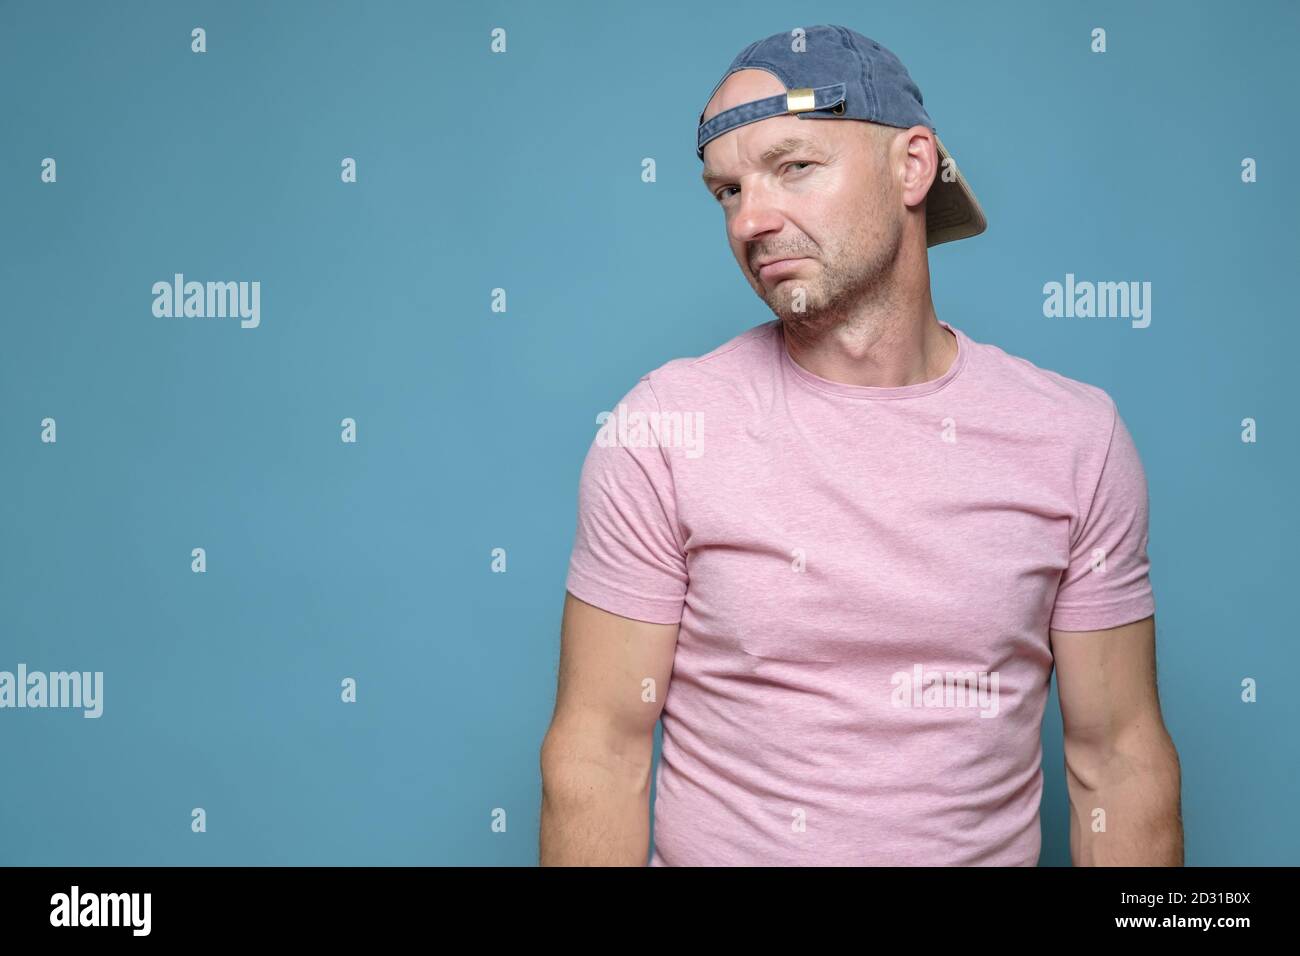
818,194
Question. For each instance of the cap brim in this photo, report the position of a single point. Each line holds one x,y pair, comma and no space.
951,209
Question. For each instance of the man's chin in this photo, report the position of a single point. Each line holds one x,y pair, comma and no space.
783,304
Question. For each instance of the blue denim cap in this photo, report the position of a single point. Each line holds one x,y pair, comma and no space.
832,72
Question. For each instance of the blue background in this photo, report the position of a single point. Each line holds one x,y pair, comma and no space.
523,171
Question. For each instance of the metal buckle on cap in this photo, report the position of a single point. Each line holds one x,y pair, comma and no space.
803,99
800,100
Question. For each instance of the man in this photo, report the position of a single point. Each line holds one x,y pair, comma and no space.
840,554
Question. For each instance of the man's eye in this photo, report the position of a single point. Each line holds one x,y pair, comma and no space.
721,194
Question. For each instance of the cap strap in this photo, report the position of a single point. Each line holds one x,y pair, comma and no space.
799,100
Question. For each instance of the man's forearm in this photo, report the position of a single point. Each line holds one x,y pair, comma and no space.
1125,806
595,811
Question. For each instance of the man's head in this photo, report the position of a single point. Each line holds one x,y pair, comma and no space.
840,201
818,148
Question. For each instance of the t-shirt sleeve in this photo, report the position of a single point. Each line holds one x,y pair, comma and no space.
627,558
1108,579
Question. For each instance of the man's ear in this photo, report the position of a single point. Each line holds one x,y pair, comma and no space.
922,167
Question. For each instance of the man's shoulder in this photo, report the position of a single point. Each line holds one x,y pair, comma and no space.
1043,393
724,365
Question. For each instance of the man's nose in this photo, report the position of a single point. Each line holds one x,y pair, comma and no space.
756,213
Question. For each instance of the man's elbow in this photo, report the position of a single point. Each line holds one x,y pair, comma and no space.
574,762
1096,762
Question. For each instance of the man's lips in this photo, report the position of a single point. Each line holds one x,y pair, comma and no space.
780,268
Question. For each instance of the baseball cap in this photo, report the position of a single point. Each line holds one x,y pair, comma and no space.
832,72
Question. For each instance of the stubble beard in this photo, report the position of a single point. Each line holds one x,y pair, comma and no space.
857,271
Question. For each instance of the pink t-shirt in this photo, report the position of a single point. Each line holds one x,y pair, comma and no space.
864,579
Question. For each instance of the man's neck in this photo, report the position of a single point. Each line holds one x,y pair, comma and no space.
884,353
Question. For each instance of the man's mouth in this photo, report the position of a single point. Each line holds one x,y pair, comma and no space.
777,269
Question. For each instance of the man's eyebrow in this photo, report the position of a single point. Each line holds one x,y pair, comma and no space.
780,148
788,145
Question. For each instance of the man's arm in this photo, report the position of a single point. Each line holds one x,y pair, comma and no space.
598,752
1119,757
